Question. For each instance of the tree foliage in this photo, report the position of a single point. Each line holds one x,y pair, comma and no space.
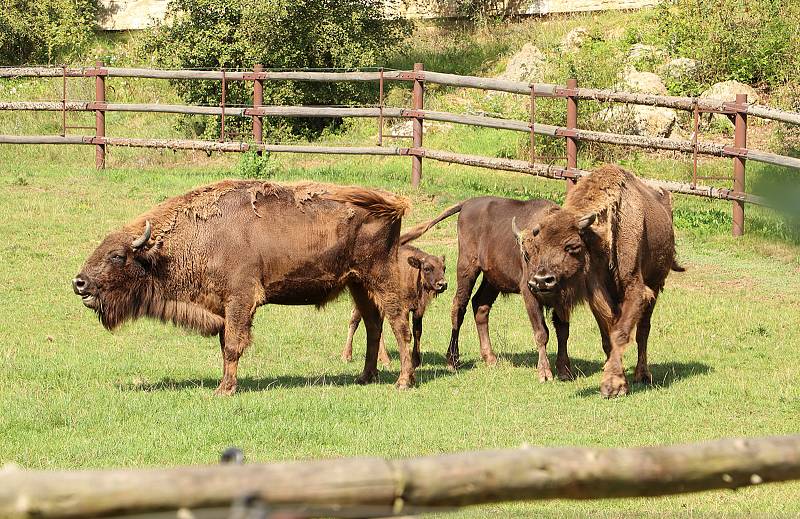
279,34
45,31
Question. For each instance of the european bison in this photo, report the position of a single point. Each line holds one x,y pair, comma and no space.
421,279
487,245
613,245
208,259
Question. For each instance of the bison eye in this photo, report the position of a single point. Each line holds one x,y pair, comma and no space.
118,259
573,248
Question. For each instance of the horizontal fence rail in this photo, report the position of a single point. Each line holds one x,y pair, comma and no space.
738,109
655,143
335,488
500,85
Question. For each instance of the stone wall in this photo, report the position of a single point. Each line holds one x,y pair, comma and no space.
138,14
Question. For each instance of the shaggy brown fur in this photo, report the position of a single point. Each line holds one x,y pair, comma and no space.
613,245
486,245
421,279
219,252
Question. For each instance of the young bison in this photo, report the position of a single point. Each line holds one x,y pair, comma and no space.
208,259
613,245
421,279
487,245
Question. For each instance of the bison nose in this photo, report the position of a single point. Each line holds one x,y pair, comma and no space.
544,281
442,286
79,285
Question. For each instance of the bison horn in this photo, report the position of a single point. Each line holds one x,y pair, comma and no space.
144,238
586,221
516,230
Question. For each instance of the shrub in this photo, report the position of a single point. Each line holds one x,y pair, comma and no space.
282,34
752,41
45,31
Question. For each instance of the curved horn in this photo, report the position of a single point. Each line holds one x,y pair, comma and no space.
144,238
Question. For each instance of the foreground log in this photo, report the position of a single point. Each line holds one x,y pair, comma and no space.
335,487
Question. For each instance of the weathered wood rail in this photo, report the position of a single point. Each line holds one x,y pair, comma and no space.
336,488
739,109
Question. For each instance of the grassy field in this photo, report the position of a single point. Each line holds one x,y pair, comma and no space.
723,348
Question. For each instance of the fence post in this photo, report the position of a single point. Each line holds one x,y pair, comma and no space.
100,116
572,123
740,143
258,100
416,160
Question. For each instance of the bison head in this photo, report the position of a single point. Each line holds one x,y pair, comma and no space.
432,269
554,251
115,281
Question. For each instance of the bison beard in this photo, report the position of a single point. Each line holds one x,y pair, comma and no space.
208,259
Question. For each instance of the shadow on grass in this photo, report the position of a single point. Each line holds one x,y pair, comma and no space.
528,359
664,375
247,384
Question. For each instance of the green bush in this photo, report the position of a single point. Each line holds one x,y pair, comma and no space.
45,31
752,41
279,34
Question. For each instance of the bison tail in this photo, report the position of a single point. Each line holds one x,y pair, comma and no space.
417,231
677,267
377,203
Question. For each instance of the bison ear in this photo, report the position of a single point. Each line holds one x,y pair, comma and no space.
586,221
414,262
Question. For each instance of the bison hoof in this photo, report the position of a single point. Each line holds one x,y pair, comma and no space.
452,362
225,390
366,378
565,373
405,383
490,359
416,359
613,386
347,358
643,377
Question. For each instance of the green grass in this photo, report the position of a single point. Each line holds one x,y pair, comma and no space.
723,345
723,349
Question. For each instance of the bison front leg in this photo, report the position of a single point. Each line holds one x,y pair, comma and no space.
634,302
563,367
416,355
233,339
373,322
540,333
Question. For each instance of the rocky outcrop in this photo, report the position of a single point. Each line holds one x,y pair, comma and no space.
526,65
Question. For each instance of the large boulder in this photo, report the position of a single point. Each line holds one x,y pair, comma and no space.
575,39
641,54
647,121
643,82
526,65
678,68
726,91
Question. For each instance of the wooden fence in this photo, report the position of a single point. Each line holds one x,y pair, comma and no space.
738,109
376,487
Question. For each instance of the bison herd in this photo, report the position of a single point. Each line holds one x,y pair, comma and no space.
206,260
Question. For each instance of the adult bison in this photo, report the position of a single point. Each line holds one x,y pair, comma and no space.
421,279
208,259
487,245
613,245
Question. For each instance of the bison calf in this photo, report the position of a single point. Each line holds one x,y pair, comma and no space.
208,259
421,279
613,245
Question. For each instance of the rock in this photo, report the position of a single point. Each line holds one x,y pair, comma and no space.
575,39
643,82
648,121
641,54
726,91
526,65
678,68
